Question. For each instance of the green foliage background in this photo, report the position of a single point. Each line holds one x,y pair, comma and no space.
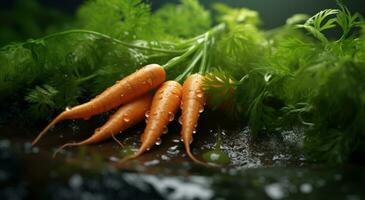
292,75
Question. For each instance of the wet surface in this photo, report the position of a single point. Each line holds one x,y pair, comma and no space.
269,167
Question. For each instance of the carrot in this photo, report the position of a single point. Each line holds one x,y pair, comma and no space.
192,104
165,104
129,88
124,118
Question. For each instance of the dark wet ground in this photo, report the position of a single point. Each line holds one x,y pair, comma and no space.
265,168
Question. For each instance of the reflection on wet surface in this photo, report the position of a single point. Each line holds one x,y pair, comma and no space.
260,168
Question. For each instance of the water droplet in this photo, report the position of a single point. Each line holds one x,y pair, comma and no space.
126,118
147,114
164,157
151,163
182,139
180,120
199,94
147,149
201,109
175,140
122,95
165,130
173,150
158,141
171,116
68,108
194,131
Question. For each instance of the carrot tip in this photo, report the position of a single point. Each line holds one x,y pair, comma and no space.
50,125
193,158
117,141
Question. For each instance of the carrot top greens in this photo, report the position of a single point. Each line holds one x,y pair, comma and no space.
290,76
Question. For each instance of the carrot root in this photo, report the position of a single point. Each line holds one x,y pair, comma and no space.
192,157
71,144
59,118
164,106
192,104
131,87
117,141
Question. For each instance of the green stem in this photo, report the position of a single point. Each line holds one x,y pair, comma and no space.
203,64
86,78
126,44
197,41
179,59
190,67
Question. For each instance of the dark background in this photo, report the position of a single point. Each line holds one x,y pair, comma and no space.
273,12
20,19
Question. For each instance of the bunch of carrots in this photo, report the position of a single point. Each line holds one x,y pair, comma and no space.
146,95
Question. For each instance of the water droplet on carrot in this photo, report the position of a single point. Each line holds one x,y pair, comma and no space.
171,116
199,94
147,114
165,130
180,120
68,108
126,118
194,131
158,141
201,109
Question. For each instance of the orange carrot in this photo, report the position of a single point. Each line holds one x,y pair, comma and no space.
124,118
165,104
192,104
129,88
